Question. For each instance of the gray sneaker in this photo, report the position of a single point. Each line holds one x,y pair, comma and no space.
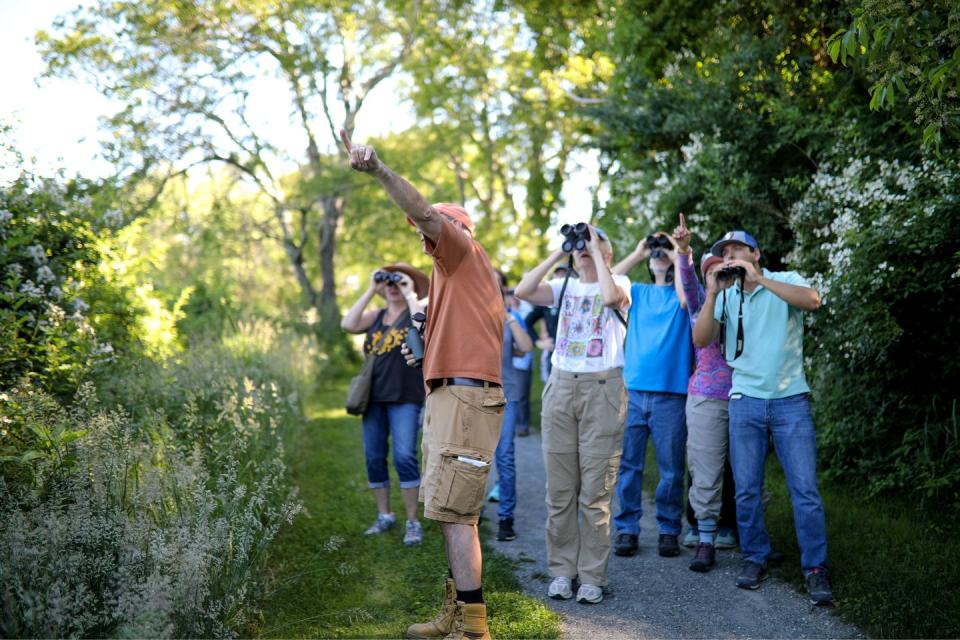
414,533
384,522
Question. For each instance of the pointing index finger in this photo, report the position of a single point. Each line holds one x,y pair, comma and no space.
346,140
683,222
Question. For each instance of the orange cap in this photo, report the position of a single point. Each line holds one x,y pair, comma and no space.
454,211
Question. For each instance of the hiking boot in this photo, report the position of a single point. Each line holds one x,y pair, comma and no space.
626,544
470,622
667,545
442,625
505,530
384,522
414,533
692,538
494,495
818,586
560,589
726,539
589,594
751,575
704,558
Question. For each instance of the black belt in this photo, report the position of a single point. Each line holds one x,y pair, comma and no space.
467,382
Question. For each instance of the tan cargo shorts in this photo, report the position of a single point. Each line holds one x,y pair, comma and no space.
461,428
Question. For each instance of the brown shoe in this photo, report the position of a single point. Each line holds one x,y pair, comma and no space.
442,625
470,623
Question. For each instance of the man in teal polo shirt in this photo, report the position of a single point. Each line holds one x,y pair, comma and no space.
762,321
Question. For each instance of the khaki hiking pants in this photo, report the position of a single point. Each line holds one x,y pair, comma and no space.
582,426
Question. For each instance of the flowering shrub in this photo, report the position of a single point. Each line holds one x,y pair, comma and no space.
881,241
152,519
48,281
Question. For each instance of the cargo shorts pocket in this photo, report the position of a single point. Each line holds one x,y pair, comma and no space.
463,479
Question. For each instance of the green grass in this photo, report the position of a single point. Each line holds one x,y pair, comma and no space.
895,568
328,580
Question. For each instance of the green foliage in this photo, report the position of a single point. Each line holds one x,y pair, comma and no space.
58,314
910,50
882,243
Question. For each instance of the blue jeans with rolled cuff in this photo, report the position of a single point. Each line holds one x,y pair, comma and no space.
789,422
399,420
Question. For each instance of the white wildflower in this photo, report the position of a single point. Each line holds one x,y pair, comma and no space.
38,253
45,274
31,290
5,216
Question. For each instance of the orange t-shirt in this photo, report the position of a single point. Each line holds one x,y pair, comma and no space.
465,316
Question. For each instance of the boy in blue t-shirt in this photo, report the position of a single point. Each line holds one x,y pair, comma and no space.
657,365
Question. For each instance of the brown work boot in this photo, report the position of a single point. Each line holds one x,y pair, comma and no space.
470,622
442,625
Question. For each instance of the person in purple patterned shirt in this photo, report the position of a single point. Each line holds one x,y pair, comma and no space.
711,488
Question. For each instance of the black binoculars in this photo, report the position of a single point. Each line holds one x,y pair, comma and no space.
387,276
575,236
657,244
415,339
731,273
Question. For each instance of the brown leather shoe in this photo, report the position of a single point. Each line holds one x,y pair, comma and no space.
470,622
443,624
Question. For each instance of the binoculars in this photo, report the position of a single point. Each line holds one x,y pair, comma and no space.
415,340
657,244
575,236
387,276
729,273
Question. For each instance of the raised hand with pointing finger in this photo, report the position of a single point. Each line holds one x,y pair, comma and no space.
363,157
681,236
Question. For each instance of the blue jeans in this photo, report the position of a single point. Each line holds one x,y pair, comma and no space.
789,422
400,420
524,377
506,462
661,416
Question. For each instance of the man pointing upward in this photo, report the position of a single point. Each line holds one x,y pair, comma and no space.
465,402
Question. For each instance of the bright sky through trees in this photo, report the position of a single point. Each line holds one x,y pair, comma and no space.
56,121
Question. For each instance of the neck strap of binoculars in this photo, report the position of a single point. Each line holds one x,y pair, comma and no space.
723,327
563,290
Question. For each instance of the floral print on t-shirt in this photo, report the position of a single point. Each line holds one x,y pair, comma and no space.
580,332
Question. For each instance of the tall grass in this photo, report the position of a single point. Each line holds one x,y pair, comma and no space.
144,507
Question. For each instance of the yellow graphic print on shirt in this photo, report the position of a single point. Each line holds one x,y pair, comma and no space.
395,338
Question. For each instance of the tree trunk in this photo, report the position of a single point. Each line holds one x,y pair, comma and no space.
332,210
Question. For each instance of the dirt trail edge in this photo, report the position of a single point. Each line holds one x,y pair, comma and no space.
654,597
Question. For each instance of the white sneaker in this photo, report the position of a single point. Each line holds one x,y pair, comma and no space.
560,588
590,593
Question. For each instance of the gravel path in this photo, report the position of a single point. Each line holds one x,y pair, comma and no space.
654,597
